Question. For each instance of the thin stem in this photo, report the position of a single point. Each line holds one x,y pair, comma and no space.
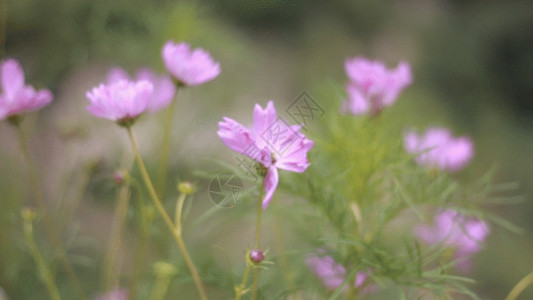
3,26
197,280
520,287
239,290
179,209
257,237
165,147
143,241
48,226
110,278
45,273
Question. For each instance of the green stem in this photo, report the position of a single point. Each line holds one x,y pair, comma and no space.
520,287
168,222
45,273
142,244
239,290
257,238
179,210
165,147
48,226
110,277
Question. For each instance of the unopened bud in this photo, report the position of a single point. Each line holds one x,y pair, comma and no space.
120,176
186,187
257,256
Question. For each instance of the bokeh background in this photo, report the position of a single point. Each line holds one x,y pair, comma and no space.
472,62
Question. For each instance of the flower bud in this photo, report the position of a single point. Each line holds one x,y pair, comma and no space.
186,187
257,256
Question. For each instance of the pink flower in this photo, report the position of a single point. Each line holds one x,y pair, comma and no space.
122,101
331,273
16,97
163,92
372,87
464,234
189,67
116,294
437,148
270,142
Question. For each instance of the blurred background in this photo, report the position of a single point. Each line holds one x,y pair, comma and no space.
472,63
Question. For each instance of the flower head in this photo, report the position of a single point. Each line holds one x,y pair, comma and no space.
438,148
331,273
189,66
464,234
372,87
270,142
122,101
163,87
15,96
116,294
257,255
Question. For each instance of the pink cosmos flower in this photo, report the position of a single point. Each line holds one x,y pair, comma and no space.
16,97
372,87
122,101
331,273
438,148
116,294
163,87
189,66
464,234
270,142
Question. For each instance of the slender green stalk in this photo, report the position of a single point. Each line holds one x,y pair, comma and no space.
257,238
142,243
520,287
239,290
48,225
179,210
3,27
168,222
165,147
110,276
46,275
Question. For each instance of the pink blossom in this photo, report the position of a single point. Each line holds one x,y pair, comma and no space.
122,101
438,148
331,273
464,234
372,87
163,92
16,97
189,66
116,294
270,142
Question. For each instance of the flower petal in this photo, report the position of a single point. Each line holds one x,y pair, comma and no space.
271,183
237,137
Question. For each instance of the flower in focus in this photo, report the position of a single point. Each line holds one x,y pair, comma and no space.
438,148
372,87
116,294
15,97
464,234
270,142
163,87
122,101
331,273
189,66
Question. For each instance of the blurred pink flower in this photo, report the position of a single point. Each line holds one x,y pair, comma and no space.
16,97
438,148
122,101
270,142
464,234
372,87
163,92
189,66
116,294
331,273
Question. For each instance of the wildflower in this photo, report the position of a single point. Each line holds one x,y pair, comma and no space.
122,101
116,294
270,142
15,97
437,148
464,234
189,66
331,273
372,87
163,87
257,256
